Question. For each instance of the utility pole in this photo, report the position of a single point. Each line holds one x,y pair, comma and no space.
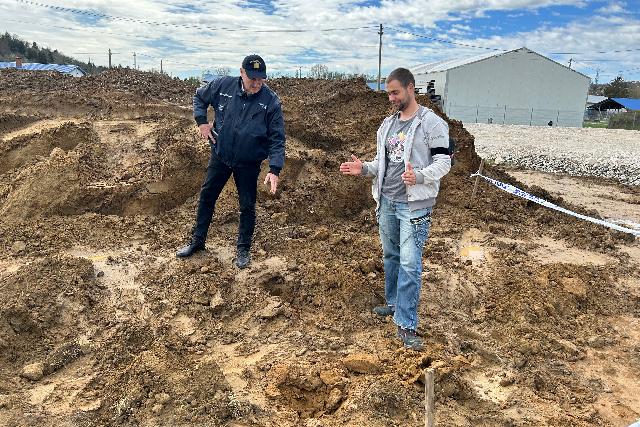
109,58
134,61
380,32
161,66
570,61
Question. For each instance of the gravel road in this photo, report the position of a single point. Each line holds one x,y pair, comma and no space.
608,153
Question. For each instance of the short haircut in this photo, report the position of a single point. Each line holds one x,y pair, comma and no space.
402,75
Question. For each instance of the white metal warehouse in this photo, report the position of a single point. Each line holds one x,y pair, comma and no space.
514,87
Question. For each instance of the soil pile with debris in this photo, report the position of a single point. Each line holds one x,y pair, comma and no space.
102,325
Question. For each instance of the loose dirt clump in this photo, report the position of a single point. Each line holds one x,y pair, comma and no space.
530,317
45,305
9,121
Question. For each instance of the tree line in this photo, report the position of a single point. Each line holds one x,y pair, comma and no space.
617,88
321,71
11,46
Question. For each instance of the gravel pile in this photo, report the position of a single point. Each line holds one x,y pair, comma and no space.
607,153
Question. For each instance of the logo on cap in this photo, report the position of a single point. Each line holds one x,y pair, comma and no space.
255,67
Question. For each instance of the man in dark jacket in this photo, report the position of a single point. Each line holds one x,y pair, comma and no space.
248,128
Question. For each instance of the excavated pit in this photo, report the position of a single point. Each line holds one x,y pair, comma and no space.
102,326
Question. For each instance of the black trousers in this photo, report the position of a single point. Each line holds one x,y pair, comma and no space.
246,179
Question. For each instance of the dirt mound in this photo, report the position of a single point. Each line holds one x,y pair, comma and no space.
119,83
102,325
100,167
327,114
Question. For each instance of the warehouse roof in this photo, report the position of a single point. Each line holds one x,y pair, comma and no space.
449,64
617,104
593,99
34,66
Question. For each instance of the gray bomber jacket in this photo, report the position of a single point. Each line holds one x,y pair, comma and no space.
427,149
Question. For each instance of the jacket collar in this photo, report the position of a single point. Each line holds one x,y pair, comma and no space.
242,93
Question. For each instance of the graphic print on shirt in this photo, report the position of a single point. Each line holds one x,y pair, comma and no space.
395,146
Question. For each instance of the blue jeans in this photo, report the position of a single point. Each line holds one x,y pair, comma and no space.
403,234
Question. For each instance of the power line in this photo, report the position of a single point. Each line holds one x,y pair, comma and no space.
595,52
191,42
631,69
190,26
168,60
584,65
398,30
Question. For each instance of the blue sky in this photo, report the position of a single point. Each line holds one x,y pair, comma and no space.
600,37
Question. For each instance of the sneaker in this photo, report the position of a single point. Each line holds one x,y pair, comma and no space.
195,245
410,339
243,258
384,310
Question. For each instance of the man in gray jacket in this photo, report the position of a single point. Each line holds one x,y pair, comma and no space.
412,156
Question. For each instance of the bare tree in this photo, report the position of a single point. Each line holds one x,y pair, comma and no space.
222,71
319,71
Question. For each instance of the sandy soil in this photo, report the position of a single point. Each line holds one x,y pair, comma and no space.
616,203
530,317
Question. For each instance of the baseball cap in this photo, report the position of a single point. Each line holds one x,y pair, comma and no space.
255,67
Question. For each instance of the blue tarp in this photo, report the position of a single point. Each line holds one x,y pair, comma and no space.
616,104
628,103
209,77
374,85
33,66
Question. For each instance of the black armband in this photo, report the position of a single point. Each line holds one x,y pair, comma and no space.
439,150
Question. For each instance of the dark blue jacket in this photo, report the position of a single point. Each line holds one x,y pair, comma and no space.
250,127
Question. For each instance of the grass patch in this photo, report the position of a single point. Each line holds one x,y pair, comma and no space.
595,125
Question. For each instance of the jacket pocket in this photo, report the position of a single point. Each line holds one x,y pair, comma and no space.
258,121
427,190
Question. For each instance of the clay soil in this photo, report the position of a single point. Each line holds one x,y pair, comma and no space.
530,318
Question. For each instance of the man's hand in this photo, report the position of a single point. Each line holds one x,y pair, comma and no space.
409,175
205,132
352,168
272,181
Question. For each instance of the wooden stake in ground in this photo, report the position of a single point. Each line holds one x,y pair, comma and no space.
475,185
428,398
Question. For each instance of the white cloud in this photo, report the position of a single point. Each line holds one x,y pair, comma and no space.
614,7
205,35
